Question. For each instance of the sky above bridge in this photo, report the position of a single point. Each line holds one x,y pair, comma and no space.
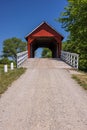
19,17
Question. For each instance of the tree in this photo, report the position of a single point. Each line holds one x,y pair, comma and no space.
74,20
46,53
13,46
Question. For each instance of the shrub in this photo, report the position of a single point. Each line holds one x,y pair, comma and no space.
5,61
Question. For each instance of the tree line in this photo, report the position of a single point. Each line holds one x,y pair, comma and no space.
74,21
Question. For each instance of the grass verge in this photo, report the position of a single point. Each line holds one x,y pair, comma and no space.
7,78
81,79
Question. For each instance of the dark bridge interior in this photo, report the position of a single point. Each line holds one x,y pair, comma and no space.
45,42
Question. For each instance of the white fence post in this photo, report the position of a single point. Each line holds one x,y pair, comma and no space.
77,62
21,57
5,68
70,58
12,66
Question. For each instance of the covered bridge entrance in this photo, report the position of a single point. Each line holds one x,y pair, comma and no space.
44,36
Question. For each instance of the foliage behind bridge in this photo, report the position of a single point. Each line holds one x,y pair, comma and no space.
74,20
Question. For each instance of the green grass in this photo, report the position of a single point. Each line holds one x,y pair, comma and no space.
81,79
1,68
7,78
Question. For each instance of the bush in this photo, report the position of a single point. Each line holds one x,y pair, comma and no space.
5,61
83,64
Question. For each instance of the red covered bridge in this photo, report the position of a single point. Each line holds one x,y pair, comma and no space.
44,36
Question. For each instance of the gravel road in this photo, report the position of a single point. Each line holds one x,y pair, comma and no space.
44,98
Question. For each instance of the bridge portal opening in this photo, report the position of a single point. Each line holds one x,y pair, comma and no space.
44,42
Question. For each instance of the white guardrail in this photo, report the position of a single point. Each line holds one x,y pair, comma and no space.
21,57
70,58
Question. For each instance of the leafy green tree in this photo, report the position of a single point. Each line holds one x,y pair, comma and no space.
74,20
13,46
46,53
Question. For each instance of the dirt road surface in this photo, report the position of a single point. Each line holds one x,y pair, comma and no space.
44,98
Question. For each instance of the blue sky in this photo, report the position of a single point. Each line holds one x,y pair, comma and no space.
19,17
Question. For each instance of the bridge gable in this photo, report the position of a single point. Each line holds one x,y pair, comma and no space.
44,30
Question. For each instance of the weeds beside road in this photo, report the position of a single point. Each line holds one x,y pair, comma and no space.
7,78
81,79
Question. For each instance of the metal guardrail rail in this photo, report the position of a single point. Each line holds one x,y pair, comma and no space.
21,57
70,58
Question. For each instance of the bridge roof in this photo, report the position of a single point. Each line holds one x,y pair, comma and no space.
48,31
